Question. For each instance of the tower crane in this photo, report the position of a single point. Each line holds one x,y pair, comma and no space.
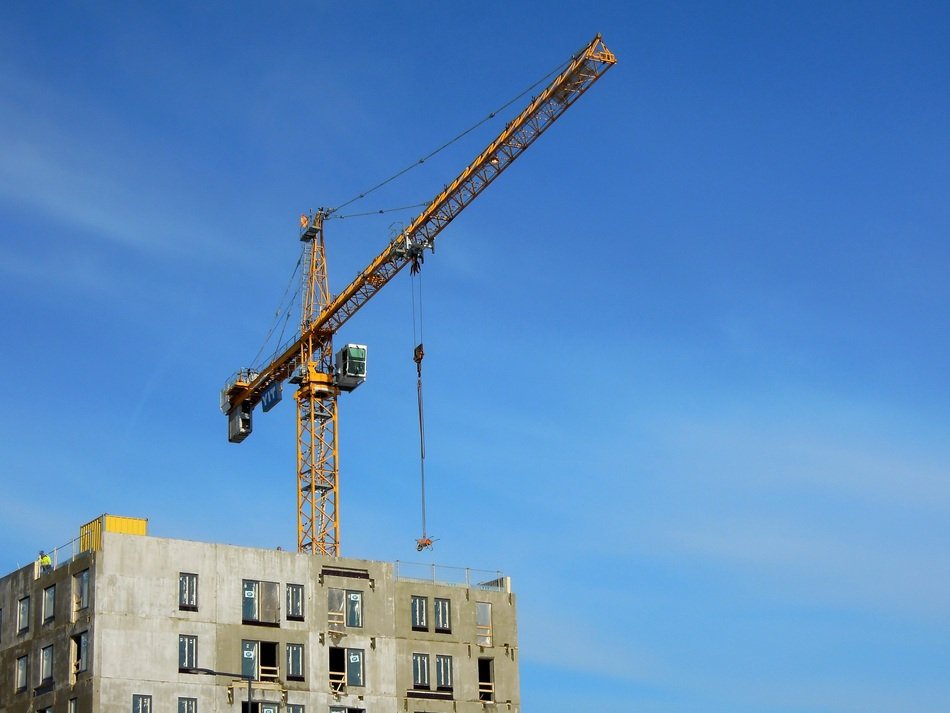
309,361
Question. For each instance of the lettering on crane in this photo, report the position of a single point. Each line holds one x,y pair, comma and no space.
272,396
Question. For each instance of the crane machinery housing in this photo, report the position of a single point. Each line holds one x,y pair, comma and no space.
309,362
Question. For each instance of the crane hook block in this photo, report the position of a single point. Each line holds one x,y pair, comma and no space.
239,422
350,369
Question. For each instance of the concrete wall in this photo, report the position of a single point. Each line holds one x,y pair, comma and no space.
134,622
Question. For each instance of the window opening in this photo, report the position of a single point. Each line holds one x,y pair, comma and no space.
295,602
486,680
187,705
354,667
443,673
483,628
336,619
354,608
187,651
337,669
187,591
295,708
295,662
80,644
420,671
442,612
344,609
345,668
73,706
259,660
46,664
141,704
22,673
49,604
269,666
81,589
23,615
419,606
261,602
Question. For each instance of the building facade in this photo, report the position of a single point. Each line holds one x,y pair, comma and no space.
141,624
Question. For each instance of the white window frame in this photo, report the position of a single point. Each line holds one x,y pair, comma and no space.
187,705
141,703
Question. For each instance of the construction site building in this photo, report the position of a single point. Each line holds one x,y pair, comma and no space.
130,622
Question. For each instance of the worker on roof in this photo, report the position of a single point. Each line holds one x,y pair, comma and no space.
46,564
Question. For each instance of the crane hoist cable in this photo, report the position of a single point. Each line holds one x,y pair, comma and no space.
424,542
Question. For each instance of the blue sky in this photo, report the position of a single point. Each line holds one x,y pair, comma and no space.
686,373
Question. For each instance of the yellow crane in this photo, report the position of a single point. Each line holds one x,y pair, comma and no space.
309,362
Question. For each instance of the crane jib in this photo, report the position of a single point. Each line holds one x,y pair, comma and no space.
585,68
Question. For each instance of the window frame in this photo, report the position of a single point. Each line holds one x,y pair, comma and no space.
295,594
295,662
187,652
46,665
361,654
141,703
21,679
23,614
265,595
81,583
187,704
49,604
420,672
440,603
483,632
187,591
80,652
443,665
419,606
353,614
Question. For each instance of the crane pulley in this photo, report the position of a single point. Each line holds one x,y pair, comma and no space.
309,361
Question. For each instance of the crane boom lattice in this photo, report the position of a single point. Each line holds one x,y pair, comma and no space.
308,362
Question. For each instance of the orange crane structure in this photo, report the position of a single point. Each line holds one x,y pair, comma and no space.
309,361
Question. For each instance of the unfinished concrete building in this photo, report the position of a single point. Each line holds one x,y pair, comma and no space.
129,622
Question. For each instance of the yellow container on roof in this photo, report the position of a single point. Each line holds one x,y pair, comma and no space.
90,534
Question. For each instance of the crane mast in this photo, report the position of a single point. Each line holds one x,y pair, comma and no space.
308,362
